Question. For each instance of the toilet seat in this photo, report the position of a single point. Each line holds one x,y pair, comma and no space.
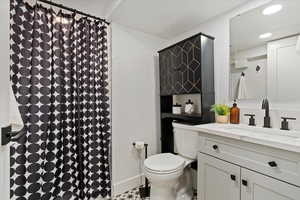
165,163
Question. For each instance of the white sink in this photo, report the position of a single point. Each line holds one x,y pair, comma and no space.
287,140
262,132
244,131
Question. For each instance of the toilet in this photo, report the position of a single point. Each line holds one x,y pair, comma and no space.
169,174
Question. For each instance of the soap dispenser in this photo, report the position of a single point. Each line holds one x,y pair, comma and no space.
234,114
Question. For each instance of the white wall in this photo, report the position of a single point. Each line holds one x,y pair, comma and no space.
219,28
4,80
134,102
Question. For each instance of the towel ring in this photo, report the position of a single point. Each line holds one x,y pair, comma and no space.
7,135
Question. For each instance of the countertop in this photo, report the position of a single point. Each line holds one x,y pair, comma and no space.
285,140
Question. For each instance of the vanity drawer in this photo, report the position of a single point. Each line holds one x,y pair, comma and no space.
279,164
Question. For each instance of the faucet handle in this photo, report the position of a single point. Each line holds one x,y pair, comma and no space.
285,123
251,119
288,118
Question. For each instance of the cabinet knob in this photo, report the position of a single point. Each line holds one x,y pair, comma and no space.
233,177
272,164
245,182
215,147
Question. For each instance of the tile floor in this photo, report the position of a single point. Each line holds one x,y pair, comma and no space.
129,195
134,195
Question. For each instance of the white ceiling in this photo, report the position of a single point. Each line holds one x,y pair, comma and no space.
163,18
169,18
246,28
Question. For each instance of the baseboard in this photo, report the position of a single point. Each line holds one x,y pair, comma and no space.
127,184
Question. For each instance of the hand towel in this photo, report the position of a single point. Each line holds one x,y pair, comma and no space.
242,89
15,119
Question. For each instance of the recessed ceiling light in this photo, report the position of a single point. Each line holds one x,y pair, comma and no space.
272,9
265,35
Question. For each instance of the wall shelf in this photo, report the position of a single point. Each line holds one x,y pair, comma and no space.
188,117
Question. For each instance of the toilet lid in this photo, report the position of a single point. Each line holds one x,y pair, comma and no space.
164,162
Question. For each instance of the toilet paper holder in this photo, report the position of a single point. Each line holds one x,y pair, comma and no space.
144,191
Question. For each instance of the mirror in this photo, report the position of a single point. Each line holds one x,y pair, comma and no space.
265,53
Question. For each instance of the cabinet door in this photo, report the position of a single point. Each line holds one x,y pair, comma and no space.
166,73
256,186
217,179
180,67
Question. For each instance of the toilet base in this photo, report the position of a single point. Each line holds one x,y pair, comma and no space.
174,189
168,184
184,187
165,192
186,195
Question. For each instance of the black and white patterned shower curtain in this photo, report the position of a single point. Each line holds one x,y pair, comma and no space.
60,77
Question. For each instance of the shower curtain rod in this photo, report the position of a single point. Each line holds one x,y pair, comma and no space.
73,10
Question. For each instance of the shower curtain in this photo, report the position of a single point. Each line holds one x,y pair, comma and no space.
60,77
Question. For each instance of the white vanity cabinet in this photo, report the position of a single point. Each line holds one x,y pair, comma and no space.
221,180
238,162
230,169
217,179
261,187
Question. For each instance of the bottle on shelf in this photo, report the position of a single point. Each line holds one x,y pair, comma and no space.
234,114
189,107
177,109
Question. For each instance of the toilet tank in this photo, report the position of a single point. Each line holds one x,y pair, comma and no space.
186,141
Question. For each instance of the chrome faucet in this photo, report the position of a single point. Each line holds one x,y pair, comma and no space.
267,119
